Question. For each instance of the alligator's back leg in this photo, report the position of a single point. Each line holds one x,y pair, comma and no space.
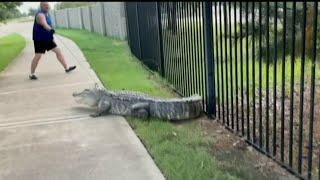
103,107
140,110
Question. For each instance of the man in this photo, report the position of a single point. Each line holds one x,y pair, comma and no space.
43,39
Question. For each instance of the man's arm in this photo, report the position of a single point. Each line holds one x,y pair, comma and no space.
41,19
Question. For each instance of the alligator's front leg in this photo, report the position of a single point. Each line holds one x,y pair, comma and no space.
140,110
103,107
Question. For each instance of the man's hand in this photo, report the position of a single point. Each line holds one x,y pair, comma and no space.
52,31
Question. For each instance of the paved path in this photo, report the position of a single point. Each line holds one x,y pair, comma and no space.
44,134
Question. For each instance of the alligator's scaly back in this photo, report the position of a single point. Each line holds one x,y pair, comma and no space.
119,102
178,109
173,108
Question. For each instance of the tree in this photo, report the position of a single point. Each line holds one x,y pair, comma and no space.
65,5
280,17
32,11
8,10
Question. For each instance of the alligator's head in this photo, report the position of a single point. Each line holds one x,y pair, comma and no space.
89,97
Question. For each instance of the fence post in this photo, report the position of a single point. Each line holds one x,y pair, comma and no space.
160,39
208,38
90,18
55,19
68,19
81,16
104,29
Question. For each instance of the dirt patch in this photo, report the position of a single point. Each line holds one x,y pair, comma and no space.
239,158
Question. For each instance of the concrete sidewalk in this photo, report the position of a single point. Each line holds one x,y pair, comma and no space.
44,134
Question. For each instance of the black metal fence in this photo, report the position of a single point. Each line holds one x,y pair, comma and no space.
255,65
143,33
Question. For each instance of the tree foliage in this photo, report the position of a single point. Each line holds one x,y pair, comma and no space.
65,5
280,26
9,10
32,11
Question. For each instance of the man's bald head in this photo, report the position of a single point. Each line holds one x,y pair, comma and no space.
45,6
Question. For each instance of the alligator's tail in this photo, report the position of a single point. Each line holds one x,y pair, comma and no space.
179,109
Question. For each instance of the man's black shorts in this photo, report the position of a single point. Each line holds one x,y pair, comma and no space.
43,46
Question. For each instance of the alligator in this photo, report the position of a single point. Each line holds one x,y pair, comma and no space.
136,104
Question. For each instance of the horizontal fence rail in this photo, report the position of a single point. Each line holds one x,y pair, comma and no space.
256,65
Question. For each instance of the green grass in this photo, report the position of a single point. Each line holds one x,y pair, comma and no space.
180,151
10,47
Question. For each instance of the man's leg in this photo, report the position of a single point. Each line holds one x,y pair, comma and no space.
35,62
61,59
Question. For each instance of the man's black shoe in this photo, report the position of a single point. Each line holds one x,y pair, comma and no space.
33,77
70,69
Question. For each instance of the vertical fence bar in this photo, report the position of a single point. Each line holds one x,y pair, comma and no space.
172,39
283,79
217,59
236,63
312,104
185,60
267,81
293,36
226,58
247,73
231,69
194,70
260,77
182,17
253,77
170,44
165,37
189,49
275,81
180,48
302,87
221,62
177,49
196,41
173,45
241,72
209,57
205,66
182,41
202,49
162,71
200,43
